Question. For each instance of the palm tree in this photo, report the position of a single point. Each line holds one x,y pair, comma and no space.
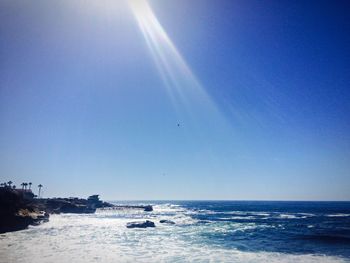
25,186
13,187
30,185
22,184
40,186
9,183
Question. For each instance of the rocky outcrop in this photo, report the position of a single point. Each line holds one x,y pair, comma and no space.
164,221
148,208
67,205
72,205
17,212
143,224
18,209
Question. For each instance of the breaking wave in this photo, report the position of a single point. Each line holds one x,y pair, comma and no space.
199,235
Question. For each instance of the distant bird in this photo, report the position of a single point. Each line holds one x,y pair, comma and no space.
178,125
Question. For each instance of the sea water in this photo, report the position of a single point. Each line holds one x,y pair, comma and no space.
205,231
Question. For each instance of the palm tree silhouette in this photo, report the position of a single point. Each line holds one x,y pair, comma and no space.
22,184
40,186
25,186
30,185
9,183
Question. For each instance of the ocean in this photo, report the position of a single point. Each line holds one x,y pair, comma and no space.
204,231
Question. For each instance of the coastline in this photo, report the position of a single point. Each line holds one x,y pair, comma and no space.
210,231
20,209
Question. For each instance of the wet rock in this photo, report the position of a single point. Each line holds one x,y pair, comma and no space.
18,208
143,224
164,221
148,208
41,217
18,212
76,209
68,205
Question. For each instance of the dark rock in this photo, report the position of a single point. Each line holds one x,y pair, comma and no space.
143,224
41,218
203,222
106,205
19,208
17,212
68,205
148,208
164,221
76,209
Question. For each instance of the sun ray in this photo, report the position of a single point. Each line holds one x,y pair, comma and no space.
181,84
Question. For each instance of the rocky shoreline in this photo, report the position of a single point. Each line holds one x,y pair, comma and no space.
19,209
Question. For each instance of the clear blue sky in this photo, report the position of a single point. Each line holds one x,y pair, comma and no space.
92,92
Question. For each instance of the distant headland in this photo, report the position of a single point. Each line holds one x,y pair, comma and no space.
20,208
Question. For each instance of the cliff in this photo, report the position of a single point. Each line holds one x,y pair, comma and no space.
17,212
19,208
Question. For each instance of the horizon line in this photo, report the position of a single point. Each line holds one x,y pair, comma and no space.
228,200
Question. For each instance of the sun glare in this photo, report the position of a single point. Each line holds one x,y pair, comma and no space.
181,84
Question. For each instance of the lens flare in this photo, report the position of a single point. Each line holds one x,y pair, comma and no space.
183,88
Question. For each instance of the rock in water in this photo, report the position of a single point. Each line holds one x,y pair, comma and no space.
164,221
148,208
69,205
143,224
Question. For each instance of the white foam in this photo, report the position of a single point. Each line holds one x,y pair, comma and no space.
338,215
288,216
103,237
239,217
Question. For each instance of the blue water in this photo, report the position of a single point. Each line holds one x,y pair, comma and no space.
287,227
205,231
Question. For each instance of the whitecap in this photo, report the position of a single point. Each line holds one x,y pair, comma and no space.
103,237
288,216
338,215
